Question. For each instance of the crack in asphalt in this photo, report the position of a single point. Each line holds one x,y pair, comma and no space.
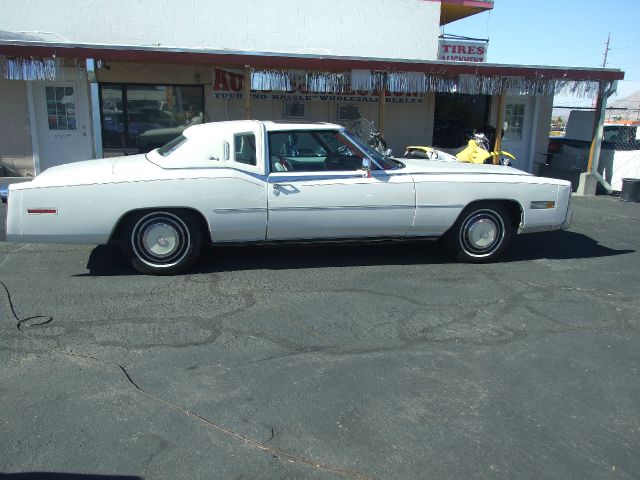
276,452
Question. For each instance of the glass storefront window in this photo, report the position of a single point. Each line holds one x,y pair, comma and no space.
144,117
457,116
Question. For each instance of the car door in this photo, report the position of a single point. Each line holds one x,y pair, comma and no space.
317,189
237,196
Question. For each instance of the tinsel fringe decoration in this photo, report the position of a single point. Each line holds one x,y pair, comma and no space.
14,68
265,80
406,82
315,82
327,82
417,82
576,89
361,80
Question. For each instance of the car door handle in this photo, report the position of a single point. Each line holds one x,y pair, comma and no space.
285,188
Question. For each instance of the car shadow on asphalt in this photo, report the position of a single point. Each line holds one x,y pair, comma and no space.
107,260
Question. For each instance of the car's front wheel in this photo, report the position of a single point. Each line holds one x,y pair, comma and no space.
162,242
481,233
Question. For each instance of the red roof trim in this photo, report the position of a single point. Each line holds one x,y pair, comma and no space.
469,3
305,62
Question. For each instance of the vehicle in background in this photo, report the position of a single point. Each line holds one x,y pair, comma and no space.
478,150
150,139
568,155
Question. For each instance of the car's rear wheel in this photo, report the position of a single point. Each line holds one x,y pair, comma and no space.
162,242
481,234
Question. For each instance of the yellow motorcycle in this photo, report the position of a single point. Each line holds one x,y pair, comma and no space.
477,150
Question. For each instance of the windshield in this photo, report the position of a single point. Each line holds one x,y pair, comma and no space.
385,163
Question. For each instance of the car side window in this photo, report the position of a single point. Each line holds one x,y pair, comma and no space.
312,151
244,148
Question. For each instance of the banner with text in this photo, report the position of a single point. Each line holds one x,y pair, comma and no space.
462,51
229,84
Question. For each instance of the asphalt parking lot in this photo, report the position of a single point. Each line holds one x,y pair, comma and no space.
370,362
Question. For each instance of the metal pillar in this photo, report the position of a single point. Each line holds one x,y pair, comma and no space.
33,126
94,108
499,125
247,92
589,179
381,105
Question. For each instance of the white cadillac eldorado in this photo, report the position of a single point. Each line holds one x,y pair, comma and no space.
251,181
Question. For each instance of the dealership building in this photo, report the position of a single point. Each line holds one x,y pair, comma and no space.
93,79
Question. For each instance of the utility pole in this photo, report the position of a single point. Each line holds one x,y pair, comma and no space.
606,51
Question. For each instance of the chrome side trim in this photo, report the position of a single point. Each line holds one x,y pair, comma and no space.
330,240
342,207
440,206
337,207
239,210
286,178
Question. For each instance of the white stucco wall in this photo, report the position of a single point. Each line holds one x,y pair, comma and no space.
368,28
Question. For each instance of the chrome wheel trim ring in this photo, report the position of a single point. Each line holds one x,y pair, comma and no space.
160,239
482,233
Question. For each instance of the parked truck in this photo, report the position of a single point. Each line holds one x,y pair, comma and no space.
568,155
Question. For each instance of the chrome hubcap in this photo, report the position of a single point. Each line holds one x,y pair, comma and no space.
482,233
161,239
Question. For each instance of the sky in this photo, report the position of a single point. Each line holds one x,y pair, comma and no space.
570,33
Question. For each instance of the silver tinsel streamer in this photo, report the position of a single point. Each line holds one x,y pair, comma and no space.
326,82
277,80
361,80
378,80
406,82
30,68
284,81
588,89
417,82
441,84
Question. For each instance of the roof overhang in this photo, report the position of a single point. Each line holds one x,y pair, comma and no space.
452,10
274,60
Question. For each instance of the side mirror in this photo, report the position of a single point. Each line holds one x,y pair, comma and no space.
366,167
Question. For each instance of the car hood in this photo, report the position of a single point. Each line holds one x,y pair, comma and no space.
419,165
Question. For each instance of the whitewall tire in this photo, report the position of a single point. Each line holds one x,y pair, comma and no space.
481,234
162,242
